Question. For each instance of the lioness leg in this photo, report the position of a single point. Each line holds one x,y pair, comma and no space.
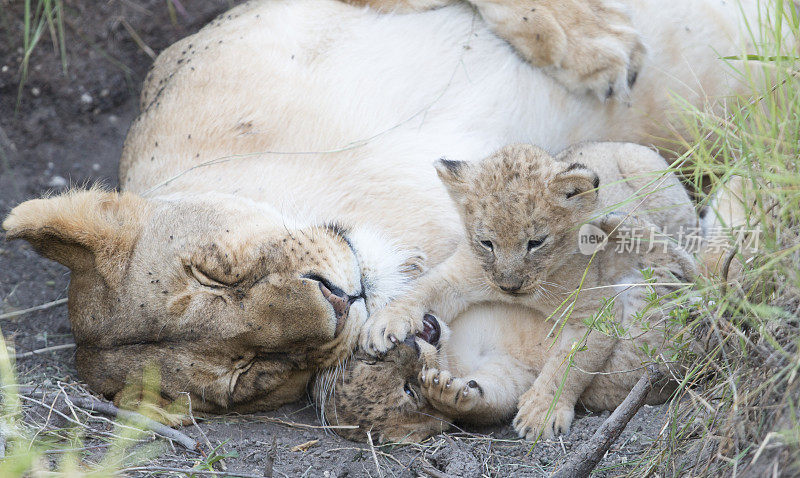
545,412
587,45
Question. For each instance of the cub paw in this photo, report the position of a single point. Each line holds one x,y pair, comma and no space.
447,393
532,421
389,327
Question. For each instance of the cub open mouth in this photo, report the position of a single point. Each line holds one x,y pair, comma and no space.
431,331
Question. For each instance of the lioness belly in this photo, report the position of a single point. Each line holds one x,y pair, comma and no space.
340,120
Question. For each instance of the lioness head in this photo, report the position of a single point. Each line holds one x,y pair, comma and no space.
384,396
237,307
521,209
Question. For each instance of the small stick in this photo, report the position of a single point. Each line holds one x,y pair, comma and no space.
106,408
269,470
433,472
188,471
138,40
451,442
581,463
44,350
374,455
17,313
303,425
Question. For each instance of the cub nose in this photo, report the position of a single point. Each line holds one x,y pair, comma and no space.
509,288
337,298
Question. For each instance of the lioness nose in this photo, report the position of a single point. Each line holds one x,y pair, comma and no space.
338,299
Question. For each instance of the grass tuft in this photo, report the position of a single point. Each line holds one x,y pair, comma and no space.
737,411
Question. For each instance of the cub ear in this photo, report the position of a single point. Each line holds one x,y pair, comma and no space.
84,230
576,183
453,176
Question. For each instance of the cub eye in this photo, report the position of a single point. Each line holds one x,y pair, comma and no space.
487,245
535,243
409,391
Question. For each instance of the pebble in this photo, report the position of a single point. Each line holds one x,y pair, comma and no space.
95,167
57,182
4,69
86,98
35,91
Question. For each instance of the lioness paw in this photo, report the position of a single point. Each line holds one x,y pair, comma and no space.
532,421
447,393
389,327
586,45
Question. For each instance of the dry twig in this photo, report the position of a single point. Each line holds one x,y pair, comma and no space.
588,455
43,350
187,471
374,455
432,472
106,408
306,426
17,313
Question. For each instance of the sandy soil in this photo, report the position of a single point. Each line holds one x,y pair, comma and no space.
68,130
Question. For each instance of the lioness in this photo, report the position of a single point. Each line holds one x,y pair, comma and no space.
278,182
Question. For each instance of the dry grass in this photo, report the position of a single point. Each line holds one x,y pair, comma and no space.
736,413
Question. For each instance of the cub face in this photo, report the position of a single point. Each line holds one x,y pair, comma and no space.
521,209
385,396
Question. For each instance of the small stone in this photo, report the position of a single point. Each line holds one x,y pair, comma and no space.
95,167
35,91
87,98
4,69
104,93
113,119
57,182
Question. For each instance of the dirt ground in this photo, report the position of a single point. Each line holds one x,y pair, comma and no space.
68,130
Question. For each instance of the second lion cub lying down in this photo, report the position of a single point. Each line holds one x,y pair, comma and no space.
522,210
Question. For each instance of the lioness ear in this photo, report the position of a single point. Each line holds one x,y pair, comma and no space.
452,174
576,182
83,230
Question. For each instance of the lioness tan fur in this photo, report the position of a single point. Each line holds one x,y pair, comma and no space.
290,142
521,210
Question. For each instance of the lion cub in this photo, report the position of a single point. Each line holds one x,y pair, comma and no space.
522,210
483,368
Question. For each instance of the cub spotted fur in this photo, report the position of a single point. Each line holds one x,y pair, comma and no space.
486,366
522,209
